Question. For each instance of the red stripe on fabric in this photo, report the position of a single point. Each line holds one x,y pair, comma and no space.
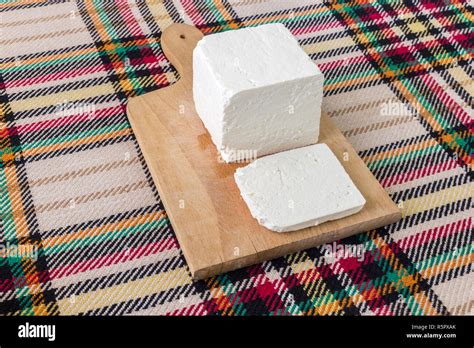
12,283
418,173
112,259
194,309
67,120
446,99
129,18
192,12
30,81
434,233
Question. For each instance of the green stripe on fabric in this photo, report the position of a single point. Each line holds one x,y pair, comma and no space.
104,237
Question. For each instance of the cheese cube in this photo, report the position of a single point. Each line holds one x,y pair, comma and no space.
256,91
298,188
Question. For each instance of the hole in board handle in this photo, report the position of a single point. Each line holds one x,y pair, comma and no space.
182,36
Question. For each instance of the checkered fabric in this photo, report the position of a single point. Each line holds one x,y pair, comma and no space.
77,197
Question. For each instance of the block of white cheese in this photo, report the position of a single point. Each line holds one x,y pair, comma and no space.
256,91
298,188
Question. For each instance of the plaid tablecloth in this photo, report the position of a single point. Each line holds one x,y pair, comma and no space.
89,230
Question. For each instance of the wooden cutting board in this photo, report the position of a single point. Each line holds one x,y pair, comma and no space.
211,221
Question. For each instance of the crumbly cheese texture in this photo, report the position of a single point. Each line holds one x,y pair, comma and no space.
299,188
256,91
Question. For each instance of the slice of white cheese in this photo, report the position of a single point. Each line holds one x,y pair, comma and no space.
256,91
299,188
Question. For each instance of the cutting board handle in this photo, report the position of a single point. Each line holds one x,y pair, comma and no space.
178,42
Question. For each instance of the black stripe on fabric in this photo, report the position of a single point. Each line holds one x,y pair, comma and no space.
46,54
10,306
433,214
421,284
56,68
441,245
451,274
103,54
374,63
288,12
38,266
146,14
434,102
26,6
100,222
99,248
116,77
69,130
235,18
333,53
68,86
321,38
456,85
52,109
420,85
170,9
461,131
406,165
430,187
78,148
394,145
407,221
113,279
145,302
354,87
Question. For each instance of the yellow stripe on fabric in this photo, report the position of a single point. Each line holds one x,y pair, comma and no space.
447,265
159,13
404,150
15,199
89,232
20,231
124,292
221,300
425,303
460,75
409,281
225,14
75,142
352,82
6,4
335,306
317,286
96,21
41,309
302,265
328,45
57,98
416,27
25,62
436,199
269,18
